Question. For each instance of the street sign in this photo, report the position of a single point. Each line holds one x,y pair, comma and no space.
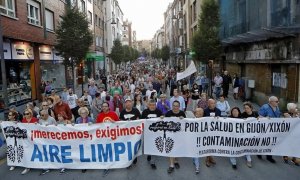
192,53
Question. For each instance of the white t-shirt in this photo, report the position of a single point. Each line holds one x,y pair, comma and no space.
71,99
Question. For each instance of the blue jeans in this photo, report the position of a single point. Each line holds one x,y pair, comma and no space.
218,91
196,161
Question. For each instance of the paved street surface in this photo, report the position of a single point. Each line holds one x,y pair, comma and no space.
261,170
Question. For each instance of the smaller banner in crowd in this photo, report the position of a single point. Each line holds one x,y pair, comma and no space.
187,72
228,137
82,146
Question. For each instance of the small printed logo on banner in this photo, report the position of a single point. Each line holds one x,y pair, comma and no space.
15,152
164,143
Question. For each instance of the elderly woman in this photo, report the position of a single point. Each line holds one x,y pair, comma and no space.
84,118
163,104
292,112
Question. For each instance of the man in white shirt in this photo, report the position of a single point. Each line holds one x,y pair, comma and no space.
149,91
72,99
176,97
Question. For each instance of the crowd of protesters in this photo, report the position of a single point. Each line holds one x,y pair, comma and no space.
146,90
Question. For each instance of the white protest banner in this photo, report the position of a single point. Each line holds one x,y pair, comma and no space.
82,146
227,137
187,72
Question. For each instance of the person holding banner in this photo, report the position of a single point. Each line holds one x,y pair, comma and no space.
211,111
128,114
151,112
106,115
45,119
270,110
163,105
28,118
248,111
196,160
175,112
178,98
236,113
84,118
292,112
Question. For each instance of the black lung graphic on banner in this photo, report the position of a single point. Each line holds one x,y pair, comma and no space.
165,143
15,152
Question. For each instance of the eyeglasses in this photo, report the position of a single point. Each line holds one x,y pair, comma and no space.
45,104
26,114
276,101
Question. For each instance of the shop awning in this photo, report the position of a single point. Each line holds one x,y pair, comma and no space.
91,56
262,35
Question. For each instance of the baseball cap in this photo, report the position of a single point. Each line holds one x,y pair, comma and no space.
128,99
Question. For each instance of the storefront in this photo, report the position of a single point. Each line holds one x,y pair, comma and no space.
52,67
94,64
19,67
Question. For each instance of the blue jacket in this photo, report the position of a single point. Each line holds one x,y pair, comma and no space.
267,111
79,120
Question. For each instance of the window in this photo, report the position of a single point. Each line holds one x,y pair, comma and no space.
96,20
90,17
100,23
81,6
33,12
7,7
49,20
97,41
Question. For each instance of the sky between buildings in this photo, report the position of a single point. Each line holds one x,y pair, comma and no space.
146,15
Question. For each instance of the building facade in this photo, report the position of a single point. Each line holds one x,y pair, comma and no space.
30,57
127,33
113,26
262,44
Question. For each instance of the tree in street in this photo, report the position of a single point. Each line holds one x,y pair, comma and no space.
206,43
73,37
117,53
156,53
165,53
127,53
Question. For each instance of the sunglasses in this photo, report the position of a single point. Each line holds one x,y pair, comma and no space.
10,115
26,114
43,115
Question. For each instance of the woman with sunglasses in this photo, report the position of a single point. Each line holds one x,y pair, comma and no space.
46,107
28,118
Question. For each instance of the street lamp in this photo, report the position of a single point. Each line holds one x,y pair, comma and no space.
113,22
